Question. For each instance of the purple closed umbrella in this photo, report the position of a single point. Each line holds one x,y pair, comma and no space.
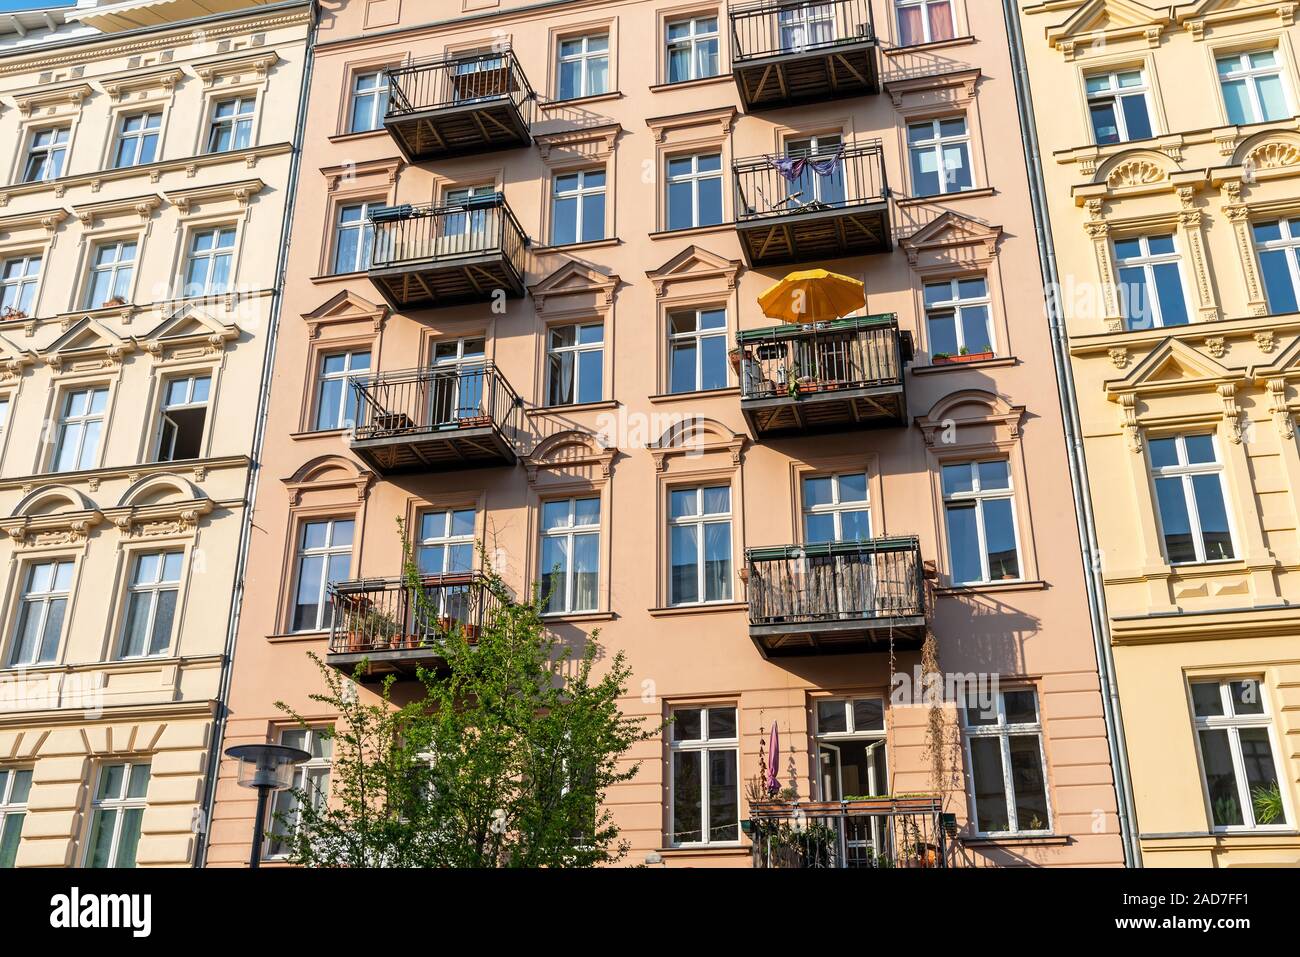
773,758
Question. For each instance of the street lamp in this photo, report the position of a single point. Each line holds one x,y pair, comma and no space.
266,767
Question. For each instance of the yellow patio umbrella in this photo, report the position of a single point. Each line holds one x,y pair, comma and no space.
813,295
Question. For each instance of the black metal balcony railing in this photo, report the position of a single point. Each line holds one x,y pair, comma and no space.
467,103
395,624
879,832
793,51
444,255
802,207
837,596
437,418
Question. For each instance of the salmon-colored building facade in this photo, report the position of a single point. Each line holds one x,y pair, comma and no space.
521,316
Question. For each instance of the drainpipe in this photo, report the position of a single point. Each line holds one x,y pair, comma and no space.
1074,442
259,435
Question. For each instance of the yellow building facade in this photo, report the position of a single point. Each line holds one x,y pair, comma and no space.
1169,150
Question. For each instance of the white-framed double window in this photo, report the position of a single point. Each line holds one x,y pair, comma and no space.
209,262
15,786
692,48
851,758
81,427
311,779
1151,288
697,350
957,317
811,187
1277,244
446,544
324,557
354,237
1253,88
694,190
19,278
42,608
805,26
1119,106
940,156
925,21
575,363
336,400
116,814
137,139
1191,499
836,508
231,126
570,555
112,267
704,775
980,515
369,101
1234,736
699,536
151,604
1006,765
47,153
183,417
577,207
583,68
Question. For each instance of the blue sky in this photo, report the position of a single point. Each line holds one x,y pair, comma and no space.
32,4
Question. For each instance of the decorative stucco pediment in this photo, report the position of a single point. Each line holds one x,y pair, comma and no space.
696,435
188,329
54,515
328,473
572,450
87,341
1102,22
693,263
1198,18
13,359
345,307
952,236
160,504
970,407
573,280
1174,366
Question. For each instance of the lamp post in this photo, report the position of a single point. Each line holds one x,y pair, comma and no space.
267,768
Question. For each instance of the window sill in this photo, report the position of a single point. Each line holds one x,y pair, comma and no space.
934,368
705,394
358,135
933,198
690,84
570,247
1017,840
692,231
550,105
713,850
543,410
1017,585
700,609
318,434
904,49
291,636
579,617
337,276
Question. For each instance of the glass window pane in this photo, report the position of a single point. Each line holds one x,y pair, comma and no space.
855,526
1136,117
1236,97
101,837
684,585
994,475
957,478
724,794
1029,788
1200,449
717,561
1000,533
819,528
129,838
1278,284
1169,289
683,502
9,837
1164,452
1175,521
688,724
1021,707
963,543
832,717
1247,697
1272,98
717,500
1210,508
688,797
989,786
722,723
1207,702
1220,778
817,490
868,714
1261,770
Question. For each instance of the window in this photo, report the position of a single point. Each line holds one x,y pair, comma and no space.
151,604
184,416
980,516
694,190
15,785
851,762
207,268
697,350
324,557
40,615
1008,773
1151,282
446,547
111,271
116,814
584,66
336,400
46,154
232,124
80,427
1252,87
312,778
957,317
458,387
806,25
369,101
137,139
925,21
1238,767
1277,243
354,237
1118,105
18,281
575,359
705,776
1190,499
699,544
940,156
4,413
835,508
692,48
578,207
570,561
811,186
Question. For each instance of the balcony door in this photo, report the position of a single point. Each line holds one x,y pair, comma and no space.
456,390
465,229
837,509
808,25
480,77
851,764
813,188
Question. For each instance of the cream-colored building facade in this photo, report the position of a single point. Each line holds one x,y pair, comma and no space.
1171,161
146,157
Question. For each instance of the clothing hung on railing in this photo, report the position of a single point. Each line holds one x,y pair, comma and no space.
791,168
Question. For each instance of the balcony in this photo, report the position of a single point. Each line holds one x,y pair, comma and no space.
872,832
786,52
805,207
836,598
396,626
459,105
431,256
436,420
834,376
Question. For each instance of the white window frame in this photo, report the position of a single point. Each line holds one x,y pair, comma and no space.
239,119
114,269
1233,724
936,143
979,496
27,597
807,25
1185,471
121,804
1288,245
67,419
575,350
924,5
1004,732
1252,75
192,379
447,539
836,507
1147,261
697,334
957,305
703,745
585,56
377,95
137,137
326,552
365,248
570,533
314,772
1114,93
692,42
14,288
700,520
10,808
694,177
209,258
153,590
348,372
579,195
59,143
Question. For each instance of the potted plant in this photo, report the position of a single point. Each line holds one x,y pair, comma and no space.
12,312
113,301
963,355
